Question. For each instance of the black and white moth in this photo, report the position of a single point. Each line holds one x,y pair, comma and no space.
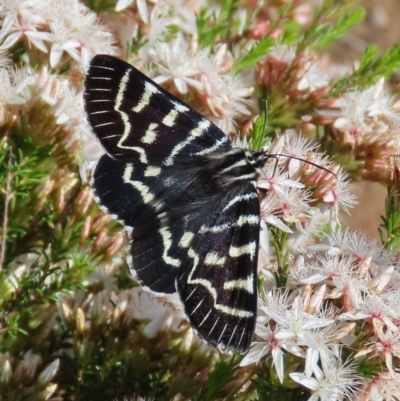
186,196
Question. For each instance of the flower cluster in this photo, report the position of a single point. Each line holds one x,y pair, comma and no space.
205,78
75,324
363,119
55,28
298,180
340,298
299,77
24,370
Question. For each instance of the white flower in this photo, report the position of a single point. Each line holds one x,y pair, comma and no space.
380,312
50,371
5,368
295,205
28,365
335,382
277,300
332,267
387,346
105,275
311,228
299,271
270,344
296,323
277,181
311,77
229,99
367,113
385,106
158,313
140,4
381,280
283,53
70,113
383,387
15,28
73,29
186,12
269,209
61,41
15,85
350,242
159,24
322,345
340,195
175,64
294,144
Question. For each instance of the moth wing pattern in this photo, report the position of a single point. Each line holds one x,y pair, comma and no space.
137,120
188,232
150,208
219,289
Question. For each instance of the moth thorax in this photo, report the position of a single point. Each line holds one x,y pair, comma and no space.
239,165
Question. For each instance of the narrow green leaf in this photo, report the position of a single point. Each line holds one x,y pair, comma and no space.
259,51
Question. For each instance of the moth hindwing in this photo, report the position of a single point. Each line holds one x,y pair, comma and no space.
186,196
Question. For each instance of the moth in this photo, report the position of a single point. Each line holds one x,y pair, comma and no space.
186,196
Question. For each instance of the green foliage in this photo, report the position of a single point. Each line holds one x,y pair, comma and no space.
121,362
331,20
213,28
221,375
30,152
391,225
368,367
259,50
272,392
260,133
99,6
279,239
372,68
46,268
19,175
389,230
269,387
56,302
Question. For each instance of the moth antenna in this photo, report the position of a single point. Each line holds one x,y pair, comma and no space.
276,155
